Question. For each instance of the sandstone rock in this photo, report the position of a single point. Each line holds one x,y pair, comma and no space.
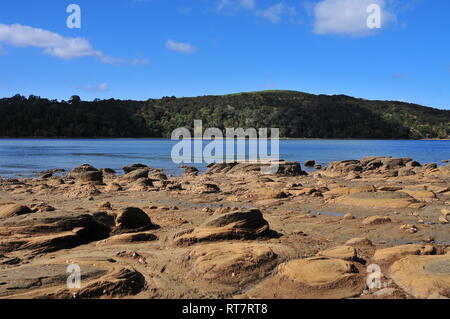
190,170
124,239
445,212
121,283
377,200
86,173
342,168
423,276
340,252
348,216
425,196
95,176
128,169
310,163
208,188
284,168
396,252
136,174
108,171
159,176
384,292
312,278
228,262
270,193
51,231
113,187
430,166
11,210
41,207
133,218
404,171
443,220
241,224
376,220
359,241
19,280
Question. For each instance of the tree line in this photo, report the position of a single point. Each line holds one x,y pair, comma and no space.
297,114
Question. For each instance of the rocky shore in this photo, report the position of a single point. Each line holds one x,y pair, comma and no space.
230,232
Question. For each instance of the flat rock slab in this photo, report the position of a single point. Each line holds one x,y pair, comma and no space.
228,262
26,278
341,252
393,253
393,200
312,278
423,276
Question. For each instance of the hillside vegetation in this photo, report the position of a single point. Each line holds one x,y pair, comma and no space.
297,114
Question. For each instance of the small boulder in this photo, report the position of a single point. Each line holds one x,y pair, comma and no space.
310,163
136,174
340,252
376,220
132,218
443,220
240,224
359,241
11,210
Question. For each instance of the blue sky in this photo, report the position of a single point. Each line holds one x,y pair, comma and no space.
140,49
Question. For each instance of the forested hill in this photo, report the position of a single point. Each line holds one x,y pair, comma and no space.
297,114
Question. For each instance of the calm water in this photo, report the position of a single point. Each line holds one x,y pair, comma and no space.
25,157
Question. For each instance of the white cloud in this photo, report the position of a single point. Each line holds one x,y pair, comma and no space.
102,87
54,44
275,12
347,17
180,47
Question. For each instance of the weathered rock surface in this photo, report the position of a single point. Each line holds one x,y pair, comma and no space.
11,210
123,282
136,174
132,218
124,239
423,276
358,241
394,253
376,220
86,173
340,252
378,200
229,262
284,168
314,278
247,224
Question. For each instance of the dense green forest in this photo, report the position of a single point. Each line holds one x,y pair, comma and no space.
297,114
